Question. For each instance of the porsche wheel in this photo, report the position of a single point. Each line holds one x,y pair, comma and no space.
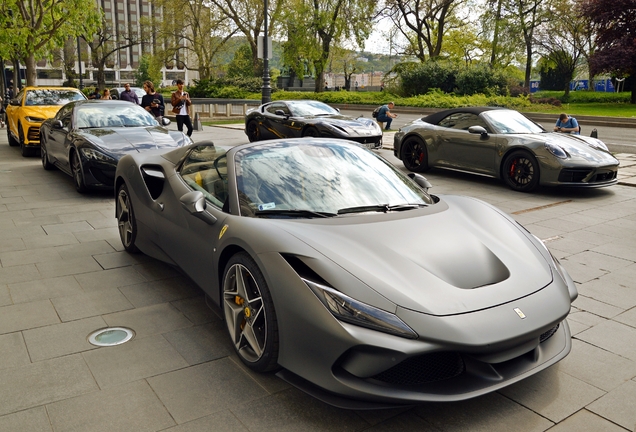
12,141
249,314
126,222
521,171
78,176
414,155
311,132
45,157
253,132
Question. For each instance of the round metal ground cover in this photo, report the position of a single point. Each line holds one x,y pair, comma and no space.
111,336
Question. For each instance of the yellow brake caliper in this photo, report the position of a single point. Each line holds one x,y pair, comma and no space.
241,301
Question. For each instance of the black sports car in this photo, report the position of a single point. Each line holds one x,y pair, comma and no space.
504,144
301,118
331,264
86,139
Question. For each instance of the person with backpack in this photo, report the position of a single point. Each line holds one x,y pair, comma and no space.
384,115
567,124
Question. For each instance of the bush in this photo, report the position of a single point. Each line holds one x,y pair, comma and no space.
480,79
238,87
427,76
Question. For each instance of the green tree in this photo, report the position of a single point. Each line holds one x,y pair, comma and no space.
149,70
241,64
33,29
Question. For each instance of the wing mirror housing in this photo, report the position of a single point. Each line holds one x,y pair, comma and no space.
165,121
194,202
420,180
478,130
57,124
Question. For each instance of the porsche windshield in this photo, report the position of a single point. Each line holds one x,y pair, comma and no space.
320,176
106,115
511,122
311,108
52,97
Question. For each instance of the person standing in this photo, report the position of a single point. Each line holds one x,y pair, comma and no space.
181,102
386,116
567,124
152,101
129,95
106,94
95,94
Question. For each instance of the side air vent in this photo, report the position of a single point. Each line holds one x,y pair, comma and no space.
154,178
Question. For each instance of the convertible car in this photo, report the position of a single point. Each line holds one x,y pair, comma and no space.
302,118
86,139
504,144
345,275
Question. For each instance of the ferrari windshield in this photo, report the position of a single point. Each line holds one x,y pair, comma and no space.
108,115
511,122
320,176
310,108
52,97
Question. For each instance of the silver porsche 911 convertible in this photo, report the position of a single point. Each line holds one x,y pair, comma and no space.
346,276
504,144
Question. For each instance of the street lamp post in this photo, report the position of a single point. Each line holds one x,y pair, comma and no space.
267,90
79,64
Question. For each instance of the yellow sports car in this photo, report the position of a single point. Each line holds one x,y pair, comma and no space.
27,111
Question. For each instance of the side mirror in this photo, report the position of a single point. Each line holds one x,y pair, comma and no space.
194,202
478,130
420,180
57,124
280,113
165,121
14,102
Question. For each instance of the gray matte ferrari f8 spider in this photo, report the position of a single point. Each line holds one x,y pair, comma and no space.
346,276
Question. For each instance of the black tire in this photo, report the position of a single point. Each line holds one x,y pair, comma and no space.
12,141
311,132
44,155
126,223
520,171
76,171
414,154
253,132
249,314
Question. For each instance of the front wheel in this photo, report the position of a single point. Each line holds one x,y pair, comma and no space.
126,222
414,154
253,132
45,157
24,149
249,314
520,171
78,175
311,132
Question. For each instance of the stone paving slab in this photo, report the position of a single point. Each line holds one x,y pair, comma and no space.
63,274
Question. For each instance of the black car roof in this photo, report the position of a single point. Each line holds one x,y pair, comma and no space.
438,116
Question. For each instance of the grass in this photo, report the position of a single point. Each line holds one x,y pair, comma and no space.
590,109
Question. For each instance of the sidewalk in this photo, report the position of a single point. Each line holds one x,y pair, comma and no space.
64,274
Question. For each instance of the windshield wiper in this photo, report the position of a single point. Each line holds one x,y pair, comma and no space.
295,212
384,208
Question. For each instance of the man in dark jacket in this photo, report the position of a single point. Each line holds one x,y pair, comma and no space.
129,95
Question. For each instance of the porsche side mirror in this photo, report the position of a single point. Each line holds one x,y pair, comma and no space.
420,180
478,130
57,124
194,202
165,121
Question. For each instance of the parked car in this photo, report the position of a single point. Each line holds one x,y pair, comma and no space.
504,144
115,91
347,276
31,106
86,139
302,118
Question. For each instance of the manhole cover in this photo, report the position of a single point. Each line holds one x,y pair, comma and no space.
111,336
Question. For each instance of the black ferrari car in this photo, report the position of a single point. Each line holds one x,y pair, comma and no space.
86,139
504,144
309,118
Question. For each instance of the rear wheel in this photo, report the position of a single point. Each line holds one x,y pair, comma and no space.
249,314
311,132
414,154
253,133
521,171
78,175
126,222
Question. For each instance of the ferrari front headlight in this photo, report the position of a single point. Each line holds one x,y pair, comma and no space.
355,312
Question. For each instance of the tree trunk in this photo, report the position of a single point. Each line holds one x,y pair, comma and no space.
495,37
31,73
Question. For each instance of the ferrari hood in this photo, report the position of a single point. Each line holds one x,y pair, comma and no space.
343,121
466,258
129,139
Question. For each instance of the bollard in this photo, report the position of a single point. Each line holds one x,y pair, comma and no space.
197,123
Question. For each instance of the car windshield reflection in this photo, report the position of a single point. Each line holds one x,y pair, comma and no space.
322,177
44,97
311,108
511,122
99,115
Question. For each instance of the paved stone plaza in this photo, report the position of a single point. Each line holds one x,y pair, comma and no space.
63,274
